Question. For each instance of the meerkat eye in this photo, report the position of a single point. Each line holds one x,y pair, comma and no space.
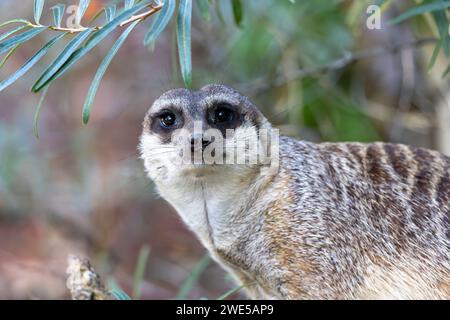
168,119
224,114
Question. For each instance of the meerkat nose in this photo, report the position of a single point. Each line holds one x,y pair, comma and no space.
205,143
195,142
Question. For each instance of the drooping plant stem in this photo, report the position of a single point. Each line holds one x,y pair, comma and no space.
140,17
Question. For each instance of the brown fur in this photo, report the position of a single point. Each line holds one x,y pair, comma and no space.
339,210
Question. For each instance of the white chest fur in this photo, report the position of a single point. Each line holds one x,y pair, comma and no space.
207,204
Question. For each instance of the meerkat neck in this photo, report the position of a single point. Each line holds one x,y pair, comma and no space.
208,203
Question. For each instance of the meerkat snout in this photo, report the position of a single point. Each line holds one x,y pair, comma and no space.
200,141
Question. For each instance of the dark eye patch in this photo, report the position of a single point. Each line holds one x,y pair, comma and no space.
223,115
164,122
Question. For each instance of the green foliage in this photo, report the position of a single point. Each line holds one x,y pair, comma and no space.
58,12
443,24
101,71
140,271
20,38
231,292
110,12
203,6
60,60
198,270
237,12
118,294
185,288
38,112
258,50
419,10
160,22
334,116
446,72
184,40
8,55
38,7
12,31
193,277
116,291
87,38
94,40
30,63
82,7
3,24
128,4
438,10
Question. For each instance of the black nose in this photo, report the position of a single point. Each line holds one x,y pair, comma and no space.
205,143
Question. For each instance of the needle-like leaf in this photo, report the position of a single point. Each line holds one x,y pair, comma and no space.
30,63
231,292
139,272
92,42
117,292
435,54
184,40
101,72
58,12
128,4
82,7
20,38
120,295
203,6
431,7
160,23
237,12
8,55
110,12
199,268
446,72
14,21
37,113
443,26
12,31
61,59
38,7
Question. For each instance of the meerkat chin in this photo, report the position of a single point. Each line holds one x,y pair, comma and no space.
296,220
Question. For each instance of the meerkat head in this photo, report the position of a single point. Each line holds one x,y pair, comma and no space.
198,132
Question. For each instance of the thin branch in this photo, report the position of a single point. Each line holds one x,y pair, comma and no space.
140,17
71,30
144,15
343,62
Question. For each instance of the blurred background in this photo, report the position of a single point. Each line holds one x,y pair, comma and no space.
314,68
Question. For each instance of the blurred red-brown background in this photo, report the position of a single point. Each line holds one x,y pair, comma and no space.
82,189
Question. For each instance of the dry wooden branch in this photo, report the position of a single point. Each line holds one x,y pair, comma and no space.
83,282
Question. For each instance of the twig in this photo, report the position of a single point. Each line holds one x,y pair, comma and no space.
140,17
144,15
343,62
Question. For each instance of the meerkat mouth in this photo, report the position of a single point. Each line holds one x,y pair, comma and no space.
200,170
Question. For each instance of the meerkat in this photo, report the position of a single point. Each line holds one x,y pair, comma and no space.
329,221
